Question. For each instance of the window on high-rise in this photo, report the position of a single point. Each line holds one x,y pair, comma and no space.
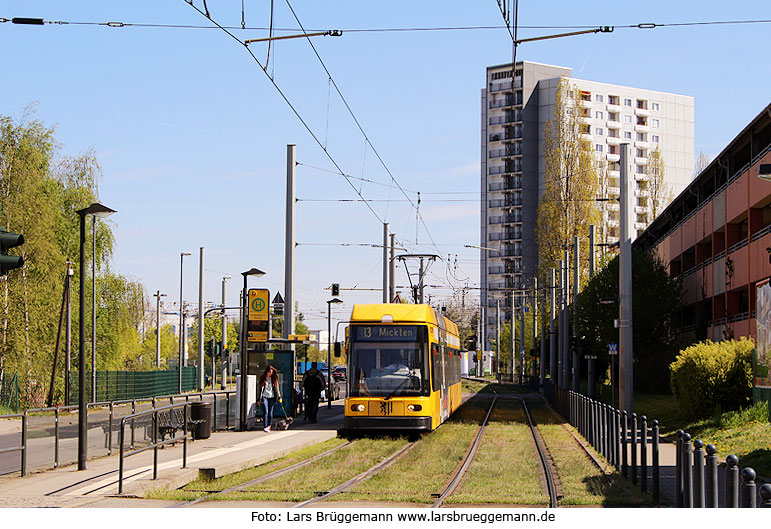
654,106
627,119
613,100
598,98
627,135
598,147
599,114
655,123
627,102
654,138
641,153
641,136
598,131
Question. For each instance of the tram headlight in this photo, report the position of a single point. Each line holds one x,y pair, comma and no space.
358,407
414,407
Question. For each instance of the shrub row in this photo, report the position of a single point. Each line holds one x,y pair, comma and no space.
710,376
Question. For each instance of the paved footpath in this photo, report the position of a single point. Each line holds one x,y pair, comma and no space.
224,452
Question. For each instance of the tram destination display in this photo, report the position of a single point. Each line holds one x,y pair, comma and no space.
386,333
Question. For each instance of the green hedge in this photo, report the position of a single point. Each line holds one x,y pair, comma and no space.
710,376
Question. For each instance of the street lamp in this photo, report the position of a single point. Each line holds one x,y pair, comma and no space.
182,256
329,349
158,295
98,210
242,416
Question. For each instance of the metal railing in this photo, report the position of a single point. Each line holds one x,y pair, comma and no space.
155,444
56,414
696,478
621,439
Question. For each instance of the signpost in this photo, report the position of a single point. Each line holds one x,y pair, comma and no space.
257,315
613,353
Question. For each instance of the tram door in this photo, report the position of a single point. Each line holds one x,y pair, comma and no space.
444,406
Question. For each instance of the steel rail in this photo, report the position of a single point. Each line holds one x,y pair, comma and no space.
469,457
361,477
261,479
539,444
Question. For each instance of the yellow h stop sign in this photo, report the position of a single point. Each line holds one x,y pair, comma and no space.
257,330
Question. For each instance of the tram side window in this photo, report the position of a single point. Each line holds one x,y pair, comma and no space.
436,368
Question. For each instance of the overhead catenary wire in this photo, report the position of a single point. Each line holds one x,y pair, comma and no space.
243,27
291,106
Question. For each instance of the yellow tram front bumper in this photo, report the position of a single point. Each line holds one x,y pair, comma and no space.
412,413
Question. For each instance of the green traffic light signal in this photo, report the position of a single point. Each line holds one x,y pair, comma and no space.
9,262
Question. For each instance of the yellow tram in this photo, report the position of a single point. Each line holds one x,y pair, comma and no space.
403,368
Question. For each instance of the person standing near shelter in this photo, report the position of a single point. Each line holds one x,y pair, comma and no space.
313,385
269,393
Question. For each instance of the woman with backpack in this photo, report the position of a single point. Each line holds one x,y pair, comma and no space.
269,393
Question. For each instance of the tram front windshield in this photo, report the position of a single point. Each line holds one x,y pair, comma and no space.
388,361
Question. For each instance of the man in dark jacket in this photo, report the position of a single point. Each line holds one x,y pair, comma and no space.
313,385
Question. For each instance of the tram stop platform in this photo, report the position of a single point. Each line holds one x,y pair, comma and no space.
223,453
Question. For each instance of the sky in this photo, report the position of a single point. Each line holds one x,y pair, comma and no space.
190,131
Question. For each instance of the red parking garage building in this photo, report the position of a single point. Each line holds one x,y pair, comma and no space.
716,235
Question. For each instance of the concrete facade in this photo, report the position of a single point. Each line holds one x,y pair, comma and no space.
716,236
513,164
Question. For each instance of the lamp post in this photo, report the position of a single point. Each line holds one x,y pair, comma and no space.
329,349
242,418
158,296
98,210
182,256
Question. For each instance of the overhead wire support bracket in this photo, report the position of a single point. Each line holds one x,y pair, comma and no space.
329,33
602,29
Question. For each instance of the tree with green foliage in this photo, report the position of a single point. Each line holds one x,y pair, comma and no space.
656,306
571,182
40,194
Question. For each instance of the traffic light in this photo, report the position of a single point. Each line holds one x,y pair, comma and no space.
9,262
335,289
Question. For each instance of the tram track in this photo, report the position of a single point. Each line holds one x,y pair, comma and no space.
463,468
543,456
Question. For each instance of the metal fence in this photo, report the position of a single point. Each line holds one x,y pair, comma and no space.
697,482
126,385
9,393
45,438
622,439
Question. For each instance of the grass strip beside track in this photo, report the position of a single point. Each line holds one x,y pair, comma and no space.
203,487
323,475
506,469
582,482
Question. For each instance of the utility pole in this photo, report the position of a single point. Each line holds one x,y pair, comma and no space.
576,280
591,364
535,324
521,339
420,282
289,244
68,333
553,369
566,320
626,378
483,341
201,310
498,338
386,266
392,270
513,333
224,345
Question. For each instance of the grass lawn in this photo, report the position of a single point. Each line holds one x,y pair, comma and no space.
746,433
490,387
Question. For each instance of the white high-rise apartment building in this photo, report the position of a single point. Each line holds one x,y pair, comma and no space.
513,162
